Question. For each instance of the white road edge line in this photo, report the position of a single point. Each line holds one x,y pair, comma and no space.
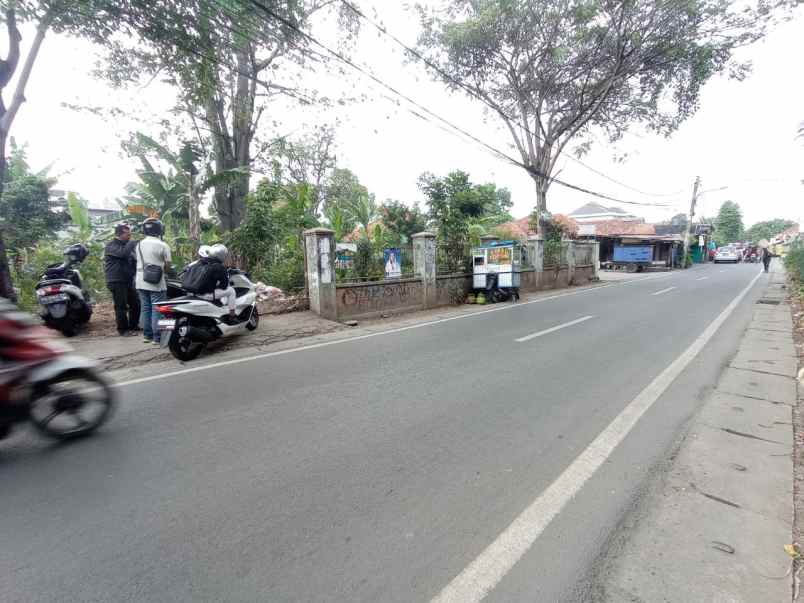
553,329
703,278
480,577
664,291
324,344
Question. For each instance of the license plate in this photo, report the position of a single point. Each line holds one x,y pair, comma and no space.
53,299
167,325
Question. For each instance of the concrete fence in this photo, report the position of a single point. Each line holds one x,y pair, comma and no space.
427,289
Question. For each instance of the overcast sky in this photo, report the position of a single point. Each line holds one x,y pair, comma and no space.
743,136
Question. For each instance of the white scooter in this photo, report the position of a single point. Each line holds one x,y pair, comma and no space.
189,323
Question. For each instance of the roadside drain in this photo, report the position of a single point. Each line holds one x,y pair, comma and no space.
770,302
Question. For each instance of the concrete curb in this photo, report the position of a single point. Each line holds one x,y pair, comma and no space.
715,528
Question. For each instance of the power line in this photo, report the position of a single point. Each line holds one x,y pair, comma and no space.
215,60
469,90
484,144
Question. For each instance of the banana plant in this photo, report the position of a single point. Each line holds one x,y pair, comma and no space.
193,181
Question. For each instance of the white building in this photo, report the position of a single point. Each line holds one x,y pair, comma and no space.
594,212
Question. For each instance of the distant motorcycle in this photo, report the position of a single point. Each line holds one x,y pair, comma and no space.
66,304
62,395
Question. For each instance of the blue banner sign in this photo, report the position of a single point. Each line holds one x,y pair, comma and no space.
633,253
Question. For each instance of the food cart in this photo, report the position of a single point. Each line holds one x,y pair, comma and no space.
500,258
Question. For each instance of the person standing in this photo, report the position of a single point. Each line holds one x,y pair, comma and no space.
119,270
766,257
153,261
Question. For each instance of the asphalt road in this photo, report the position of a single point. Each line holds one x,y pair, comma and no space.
369,470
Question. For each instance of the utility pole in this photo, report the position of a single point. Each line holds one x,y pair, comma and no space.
695,188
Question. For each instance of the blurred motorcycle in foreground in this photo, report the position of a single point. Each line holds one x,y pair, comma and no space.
61,394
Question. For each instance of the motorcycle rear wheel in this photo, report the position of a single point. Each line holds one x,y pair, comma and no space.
184,348
66,396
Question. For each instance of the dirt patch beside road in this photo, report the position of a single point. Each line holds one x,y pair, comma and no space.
115,352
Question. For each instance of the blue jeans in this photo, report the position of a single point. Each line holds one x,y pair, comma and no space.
150,317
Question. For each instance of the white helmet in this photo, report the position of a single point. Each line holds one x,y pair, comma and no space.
203,251
218,252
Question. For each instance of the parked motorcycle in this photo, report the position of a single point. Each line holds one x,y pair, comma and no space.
188,323
497,294
63,395
66,304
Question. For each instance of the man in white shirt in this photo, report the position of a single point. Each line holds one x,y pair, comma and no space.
151,253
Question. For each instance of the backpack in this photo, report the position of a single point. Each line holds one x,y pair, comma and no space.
199,278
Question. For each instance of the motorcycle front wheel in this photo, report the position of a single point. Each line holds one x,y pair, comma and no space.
71,405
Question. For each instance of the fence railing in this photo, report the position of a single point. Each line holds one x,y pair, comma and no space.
453,258
552,254
369,265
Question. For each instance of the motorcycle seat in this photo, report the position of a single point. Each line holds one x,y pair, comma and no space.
189,297
53,281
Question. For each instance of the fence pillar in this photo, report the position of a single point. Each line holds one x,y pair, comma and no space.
319,250
596,261
536,253
424,265
536,256
570,262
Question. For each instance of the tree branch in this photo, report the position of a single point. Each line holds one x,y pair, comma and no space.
25,74
9,65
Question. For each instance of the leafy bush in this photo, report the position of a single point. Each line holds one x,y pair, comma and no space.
269,242
794,262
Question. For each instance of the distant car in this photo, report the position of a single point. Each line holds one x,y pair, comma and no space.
727,254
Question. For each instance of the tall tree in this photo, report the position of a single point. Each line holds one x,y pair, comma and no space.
402,222
308,160
454,202
229,59
552,71
729,224
194,175
348,200
94,19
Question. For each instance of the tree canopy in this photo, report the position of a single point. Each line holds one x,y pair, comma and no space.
455,203
228,60
767,229
554,71
729,223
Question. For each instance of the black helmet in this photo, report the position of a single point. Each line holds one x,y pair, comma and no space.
152,227
76,253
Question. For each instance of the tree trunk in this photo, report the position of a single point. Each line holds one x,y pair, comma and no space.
541,203
6,284
194,215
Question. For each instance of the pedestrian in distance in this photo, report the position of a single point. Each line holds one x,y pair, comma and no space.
153,261
119,269
766,258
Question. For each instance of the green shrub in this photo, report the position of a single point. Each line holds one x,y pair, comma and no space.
794,262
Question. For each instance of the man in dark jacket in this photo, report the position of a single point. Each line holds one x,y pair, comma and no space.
767,256
119,268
